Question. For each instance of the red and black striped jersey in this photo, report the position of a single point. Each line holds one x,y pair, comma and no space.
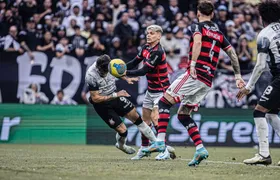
155,58
212,41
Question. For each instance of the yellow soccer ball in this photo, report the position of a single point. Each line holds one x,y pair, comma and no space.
117,67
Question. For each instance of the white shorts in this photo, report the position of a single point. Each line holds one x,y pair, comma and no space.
151,99
189,90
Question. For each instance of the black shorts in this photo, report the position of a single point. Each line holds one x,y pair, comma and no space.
271,95
110,111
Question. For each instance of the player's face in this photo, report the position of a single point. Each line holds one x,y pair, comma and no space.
152,36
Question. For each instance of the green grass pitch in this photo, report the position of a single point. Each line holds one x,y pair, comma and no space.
51,162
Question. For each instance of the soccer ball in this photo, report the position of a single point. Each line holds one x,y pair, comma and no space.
117,67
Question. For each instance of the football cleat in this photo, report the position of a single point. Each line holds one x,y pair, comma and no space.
140,155
199,155
258,159
279,163
163,155
171,150
126,149
157,146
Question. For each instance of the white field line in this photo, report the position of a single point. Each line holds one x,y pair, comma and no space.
234,163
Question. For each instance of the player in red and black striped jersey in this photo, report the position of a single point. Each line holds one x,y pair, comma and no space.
155,68
190,88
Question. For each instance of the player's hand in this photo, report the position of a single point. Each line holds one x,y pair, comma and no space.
123,93
132,80
242,92
240,83
193,72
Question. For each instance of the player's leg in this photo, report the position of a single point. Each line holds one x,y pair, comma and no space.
144,140
111,118
274,120
269,100
184,116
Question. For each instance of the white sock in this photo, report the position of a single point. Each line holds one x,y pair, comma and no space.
199,146
120,140
262,132
147,131
161,136
274,120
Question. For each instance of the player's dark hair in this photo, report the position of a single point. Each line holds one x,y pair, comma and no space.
102,64
270,11
206,7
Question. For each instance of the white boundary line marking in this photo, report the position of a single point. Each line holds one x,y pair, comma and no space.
234,163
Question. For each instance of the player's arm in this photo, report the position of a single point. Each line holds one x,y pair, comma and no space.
134,62
148,66
97,98
197,43
263,44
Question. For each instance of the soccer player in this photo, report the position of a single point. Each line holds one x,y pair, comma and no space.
155,69
110,105
190,88
268,43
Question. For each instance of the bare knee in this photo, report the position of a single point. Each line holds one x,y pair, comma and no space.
169,98
121,128
132,115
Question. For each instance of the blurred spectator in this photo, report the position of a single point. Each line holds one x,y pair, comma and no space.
78,42
62,8
131,4
60,50
45,10
244,55
222,18
8,21
86,33
230,33
116,7
161,19
183,43
10,41
172,49
86,8
116,50
95,47
32,95
147,13
123,30
48,23
131,50
47,43
61,99
132,21
100,17
99,28
26,10
60,33
75,13
27,38
109,36
70,30
104,8
172,10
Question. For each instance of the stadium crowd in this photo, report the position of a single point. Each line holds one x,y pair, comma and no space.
117,28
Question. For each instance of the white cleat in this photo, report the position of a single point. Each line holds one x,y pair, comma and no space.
163,155
140,155
126,149
258,159
279,163
171,150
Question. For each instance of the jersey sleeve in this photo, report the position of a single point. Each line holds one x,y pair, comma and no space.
154,59
140,53
225,44
195,29
263,44
91,83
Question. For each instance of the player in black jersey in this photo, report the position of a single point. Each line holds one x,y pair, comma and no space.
268,43
155,68
190,88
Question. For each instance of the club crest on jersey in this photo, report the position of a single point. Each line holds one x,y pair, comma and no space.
111,121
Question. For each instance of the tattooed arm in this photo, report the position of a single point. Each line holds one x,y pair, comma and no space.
236,68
